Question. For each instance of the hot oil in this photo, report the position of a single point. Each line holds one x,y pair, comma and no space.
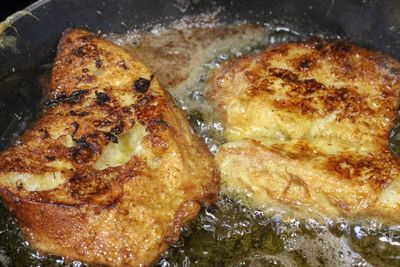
228,233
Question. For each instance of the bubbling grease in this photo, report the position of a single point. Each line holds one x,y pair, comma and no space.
229,233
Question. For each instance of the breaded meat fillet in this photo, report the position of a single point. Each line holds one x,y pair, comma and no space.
307,128
112,170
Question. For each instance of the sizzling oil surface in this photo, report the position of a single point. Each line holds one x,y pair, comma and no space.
228,233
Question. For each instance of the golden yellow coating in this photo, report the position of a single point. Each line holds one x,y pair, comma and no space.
307,126
112,170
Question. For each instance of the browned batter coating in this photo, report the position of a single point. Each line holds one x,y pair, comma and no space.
112,170
307,126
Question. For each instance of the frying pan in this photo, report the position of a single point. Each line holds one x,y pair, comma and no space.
33,38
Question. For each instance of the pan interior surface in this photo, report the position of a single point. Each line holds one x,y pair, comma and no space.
228,233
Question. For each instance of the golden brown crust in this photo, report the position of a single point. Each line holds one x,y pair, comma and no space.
321,111
112,170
